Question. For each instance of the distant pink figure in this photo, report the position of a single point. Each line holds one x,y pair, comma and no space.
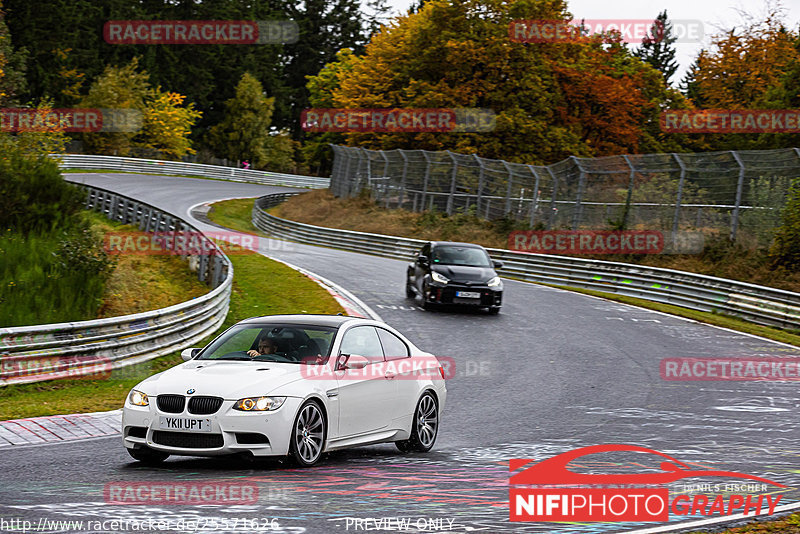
246,164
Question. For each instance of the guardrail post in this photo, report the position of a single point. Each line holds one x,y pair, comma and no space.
576,220
739,187
679,199
535,201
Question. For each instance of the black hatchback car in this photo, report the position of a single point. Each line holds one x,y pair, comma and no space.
455,273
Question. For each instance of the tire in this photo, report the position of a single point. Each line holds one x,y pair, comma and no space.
148,456
494,311
410,293
308,435
424,427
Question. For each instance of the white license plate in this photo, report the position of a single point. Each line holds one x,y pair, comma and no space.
468,294
184,424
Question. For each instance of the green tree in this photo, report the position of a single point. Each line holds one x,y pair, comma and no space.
658,47
117,88
786,247
12,66
244,132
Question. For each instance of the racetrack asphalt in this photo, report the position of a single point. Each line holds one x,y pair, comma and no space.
555,370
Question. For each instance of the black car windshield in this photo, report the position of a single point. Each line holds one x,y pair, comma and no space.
286,343
454,255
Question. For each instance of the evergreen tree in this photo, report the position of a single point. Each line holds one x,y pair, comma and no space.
244,132
658,47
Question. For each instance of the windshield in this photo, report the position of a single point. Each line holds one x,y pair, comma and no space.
453,255
286,343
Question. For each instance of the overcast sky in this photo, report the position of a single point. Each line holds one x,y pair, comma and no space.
714,14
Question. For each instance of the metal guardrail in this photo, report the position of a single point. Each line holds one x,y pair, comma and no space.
153,166
43,352
758,304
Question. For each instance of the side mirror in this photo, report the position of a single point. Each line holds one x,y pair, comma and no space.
497,264
352,361
188,354
424,261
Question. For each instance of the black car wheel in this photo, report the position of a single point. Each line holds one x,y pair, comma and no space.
424,427
147,456
410,293
308,435
494,311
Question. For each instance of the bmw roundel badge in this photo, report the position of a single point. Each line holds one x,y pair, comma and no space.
189,391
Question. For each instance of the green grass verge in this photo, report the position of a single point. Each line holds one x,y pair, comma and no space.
716,319
235,214
261,287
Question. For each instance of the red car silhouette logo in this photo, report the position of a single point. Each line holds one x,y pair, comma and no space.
553,471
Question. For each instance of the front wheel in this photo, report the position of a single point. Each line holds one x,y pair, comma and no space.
308,435
147,456
410,293
424,427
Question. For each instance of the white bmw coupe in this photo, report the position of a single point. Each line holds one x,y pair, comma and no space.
289,385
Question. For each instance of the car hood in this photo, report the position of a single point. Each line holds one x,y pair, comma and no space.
228,379
464,273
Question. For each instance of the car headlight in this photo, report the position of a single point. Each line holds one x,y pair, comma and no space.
436,277
259,404
137,398
494,282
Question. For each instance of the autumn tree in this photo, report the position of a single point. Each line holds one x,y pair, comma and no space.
744,63
165,124
551,100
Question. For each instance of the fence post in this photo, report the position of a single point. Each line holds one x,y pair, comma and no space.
452,184
679,199
403,178
508,189
553,209
576,219
348,177
480,183
425,180
535,201
739,187
631,178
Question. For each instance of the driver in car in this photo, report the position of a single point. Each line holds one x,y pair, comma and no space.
265,346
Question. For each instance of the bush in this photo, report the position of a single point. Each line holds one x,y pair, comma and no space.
785,249
51,277
33,195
